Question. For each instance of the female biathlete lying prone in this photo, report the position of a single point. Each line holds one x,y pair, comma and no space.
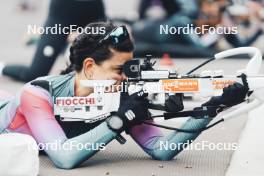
94,57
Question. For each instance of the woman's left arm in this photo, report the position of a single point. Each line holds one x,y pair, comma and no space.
152,140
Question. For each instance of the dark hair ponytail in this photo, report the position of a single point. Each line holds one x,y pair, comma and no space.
83,45
69,69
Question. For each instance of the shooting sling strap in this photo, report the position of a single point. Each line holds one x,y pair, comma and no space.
200,112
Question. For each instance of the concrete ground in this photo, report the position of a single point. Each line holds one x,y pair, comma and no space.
128,159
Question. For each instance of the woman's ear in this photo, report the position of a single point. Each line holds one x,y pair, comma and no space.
88,66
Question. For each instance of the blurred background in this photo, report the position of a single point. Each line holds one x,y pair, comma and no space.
24,56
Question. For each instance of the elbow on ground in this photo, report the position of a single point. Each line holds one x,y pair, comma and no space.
161,157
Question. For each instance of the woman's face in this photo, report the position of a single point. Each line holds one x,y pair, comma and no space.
108,69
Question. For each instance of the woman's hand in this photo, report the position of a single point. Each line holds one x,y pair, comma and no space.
134,110
232,95
174,103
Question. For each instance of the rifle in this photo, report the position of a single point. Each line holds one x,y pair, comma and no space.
142,76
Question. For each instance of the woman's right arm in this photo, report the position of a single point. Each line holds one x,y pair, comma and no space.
35,106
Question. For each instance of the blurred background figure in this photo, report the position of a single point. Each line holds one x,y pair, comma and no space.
144,18
177,13
49,46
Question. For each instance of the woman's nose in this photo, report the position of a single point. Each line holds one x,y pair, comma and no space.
124,77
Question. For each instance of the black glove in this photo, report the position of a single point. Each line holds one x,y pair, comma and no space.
174,103
134,110
232,95
214,101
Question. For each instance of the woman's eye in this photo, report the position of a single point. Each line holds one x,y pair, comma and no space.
119,70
